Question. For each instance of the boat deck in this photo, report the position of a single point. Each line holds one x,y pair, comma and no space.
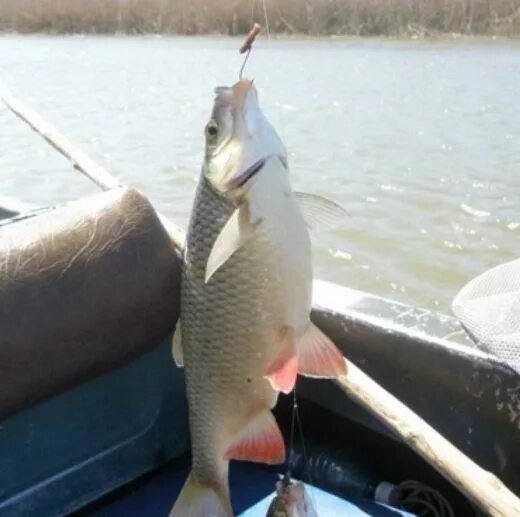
252,489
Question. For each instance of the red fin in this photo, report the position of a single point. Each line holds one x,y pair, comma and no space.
318,356
282,373
260,441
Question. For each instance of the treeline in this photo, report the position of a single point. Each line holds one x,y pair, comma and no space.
313,17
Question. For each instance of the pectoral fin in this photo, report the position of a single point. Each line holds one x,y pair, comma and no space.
284,370
177,345
320,212
235,233
318,356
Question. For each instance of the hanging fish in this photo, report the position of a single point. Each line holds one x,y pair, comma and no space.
291,500
244,331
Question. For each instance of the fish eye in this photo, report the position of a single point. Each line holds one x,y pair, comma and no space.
211,130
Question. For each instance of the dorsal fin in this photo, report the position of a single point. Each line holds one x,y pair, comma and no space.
321,213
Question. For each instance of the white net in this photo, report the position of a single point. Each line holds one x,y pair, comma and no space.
489,307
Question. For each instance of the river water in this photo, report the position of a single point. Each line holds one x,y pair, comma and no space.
419,140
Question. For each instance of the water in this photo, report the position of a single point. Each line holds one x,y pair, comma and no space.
420,141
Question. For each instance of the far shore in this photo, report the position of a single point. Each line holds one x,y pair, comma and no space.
440,37
415,19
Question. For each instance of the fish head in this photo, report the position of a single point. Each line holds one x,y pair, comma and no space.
292,500
239,140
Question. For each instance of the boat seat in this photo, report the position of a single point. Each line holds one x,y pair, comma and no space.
84,288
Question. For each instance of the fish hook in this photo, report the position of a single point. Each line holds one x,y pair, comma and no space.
244,64
247,46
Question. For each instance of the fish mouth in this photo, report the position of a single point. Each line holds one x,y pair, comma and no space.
240,92
248,174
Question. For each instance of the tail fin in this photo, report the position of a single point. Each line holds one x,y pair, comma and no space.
197,500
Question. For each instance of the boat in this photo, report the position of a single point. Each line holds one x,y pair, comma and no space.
93,413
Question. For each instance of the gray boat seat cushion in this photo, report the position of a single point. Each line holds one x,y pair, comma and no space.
84,288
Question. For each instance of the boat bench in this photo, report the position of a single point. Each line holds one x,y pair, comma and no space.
89,396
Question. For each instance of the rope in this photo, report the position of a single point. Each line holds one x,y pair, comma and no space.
423,500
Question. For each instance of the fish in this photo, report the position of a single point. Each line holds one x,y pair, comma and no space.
244,331
291,500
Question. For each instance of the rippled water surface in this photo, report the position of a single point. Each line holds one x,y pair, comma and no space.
420,141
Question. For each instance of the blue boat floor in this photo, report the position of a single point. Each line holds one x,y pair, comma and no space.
252,489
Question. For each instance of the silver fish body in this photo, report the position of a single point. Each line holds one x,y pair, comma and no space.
230,332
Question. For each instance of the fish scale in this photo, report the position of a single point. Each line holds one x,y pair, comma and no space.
222,322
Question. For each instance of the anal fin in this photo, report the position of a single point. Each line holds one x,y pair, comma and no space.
260,441
318,356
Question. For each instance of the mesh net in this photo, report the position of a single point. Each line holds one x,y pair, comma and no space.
489,307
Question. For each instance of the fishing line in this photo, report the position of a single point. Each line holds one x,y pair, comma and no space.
296,421
293,421
266,17
266,20
302,439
